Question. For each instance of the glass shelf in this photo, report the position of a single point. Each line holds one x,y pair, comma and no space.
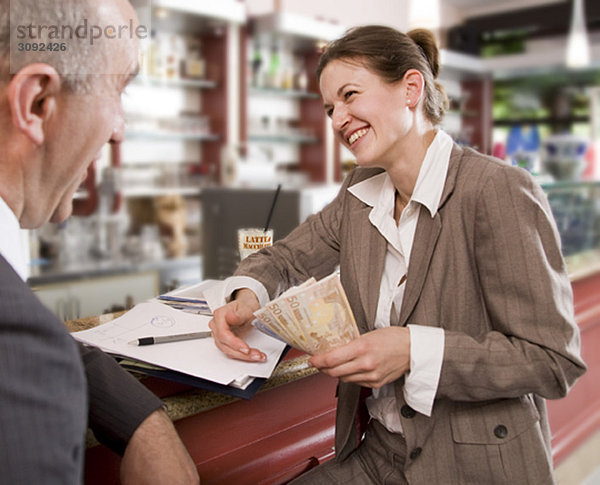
176,83
166,135
288,93
154,191
282,138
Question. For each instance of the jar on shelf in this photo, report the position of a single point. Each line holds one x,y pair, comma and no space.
173,54
193,65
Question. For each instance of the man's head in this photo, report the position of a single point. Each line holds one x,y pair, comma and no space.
58,108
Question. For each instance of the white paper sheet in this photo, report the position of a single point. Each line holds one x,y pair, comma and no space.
199,358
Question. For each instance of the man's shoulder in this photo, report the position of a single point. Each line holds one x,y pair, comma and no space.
10,281
18,303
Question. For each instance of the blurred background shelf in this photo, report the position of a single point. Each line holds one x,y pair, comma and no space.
154,191
165,135
260,138
284,93
176,83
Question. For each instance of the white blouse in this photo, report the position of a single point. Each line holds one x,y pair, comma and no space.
426,343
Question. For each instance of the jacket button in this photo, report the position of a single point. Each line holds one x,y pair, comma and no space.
407,411
500,431
414,454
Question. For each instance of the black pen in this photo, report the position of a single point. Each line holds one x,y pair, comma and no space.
170,338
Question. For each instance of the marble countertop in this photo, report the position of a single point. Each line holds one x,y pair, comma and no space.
192,401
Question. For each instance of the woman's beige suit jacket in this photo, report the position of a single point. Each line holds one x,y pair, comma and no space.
487,269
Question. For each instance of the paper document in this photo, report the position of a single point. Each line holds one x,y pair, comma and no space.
199,358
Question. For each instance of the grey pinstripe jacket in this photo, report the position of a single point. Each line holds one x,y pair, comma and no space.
46,381
43,398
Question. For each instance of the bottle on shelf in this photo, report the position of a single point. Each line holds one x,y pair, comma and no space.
155,58
275,68
287,69
301,77
257,67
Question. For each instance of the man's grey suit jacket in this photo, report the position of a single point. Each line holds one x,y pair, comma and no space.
43,397
46,384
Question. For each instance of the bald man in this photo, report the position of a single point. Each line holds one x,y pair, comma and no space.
57,109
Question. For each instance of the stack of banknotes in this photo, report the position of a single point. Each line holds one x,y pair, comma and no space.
314,317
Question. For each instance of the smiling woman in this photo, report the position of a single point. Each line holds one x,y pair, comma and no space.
452,266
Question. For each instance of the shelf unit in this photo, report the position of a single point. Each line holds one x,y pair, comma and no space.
289,124
542,59
278,95
162,138
468,85
178,125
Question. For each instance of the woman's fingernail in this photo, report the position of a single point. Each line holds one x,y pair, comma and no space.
244,350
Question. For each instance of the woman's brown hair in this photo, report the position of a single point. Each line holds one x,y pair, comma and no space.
389,54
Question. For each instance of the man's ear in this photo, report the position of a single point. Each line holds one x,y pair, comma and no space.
32,99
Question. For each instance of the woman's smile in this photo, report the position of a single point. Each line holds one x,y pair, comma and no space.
357,135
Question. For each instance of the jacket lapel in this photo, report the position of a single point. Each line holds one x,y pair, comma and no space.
370,247
426,236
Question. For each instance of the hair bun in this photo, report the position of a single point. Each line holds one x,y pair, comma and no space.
426,41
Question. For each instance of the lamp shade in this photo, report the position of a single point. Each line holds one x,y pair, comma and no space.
424,14
578,48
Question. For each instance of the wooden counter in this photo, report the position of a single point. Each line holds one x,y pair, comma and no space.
288,427
576,417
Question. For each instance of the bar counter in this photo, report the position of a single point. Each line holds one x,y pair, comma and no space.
285,429
288,426
191,401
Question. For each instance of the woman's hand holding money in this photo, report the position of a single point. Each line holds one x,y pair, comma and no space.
372,360
231,321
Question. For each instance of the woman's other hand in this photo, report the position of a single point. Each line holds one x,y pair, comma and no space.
372,360
230,323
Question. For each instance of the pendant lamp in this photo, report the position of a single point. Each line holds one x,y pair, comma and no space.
578,47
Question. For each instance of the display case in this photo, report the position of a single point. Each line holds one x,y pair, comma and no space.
576,209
